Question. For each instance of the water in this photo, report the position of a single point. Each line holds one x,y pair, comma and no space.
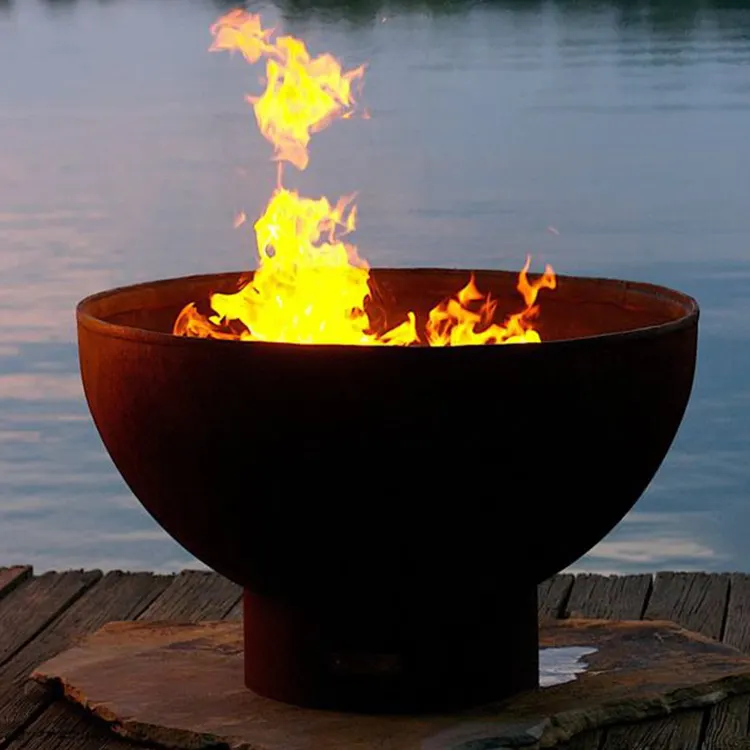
127,149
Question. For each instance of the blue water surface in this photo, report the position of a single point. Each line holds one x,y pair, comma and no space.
606,138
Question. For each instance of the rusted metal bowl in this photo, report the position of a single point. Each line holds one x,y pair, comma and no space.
376,502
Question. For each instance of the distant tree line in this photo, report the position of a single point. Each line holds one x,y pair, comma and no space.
654,16
657,16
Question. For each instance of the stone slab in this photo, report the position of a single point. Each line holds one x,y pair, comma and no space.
181,686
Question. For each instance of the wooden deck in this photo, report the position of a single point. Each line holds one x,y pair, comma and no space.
41,615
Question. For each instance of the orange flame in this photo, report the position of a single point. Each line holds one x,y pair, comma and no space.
311,287
454,323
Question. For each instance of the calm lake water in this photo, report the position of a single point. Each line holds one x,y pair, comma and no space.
126,149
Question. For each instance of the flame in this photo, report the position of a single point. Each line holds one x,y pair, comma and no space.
303,94
459,321
311,287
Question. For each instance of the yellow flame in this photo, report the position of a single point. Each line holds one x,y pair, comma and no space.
311,287
303,94
459,321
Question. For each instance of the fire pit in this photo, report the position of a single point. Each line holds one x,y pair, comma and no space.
356,449
373,500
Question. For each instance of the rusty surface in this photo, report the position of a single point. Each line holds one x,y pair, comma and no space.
385,487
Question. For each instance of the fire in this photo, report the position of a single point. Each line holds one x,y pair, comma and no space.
453,323
311,286
303,94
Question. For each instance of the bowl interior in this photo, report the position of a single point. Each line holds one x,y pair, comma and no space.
579,307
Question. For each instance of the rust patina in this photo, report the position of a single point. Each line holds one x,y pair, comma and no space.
373,501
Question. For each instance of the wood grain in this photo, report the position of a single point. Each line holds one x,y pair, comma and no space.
608,597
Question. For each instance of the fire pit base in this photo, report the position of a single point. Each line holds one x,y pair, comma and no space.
351,655
181,686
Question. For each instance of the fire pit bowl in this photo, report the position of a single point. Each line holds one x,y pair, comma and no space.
390,511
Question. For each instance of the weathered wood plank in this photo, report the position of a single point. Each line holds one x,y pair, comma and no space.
117,596
677,732
12,577
586,741
553,593
189,596
235,614
194,595
697,601
627,597
682,731
61,728
20,704
735,743
33,605
609,597
737,627
727,723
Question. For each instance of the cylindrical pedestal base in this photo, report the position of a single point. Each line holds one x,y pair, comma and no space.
410,662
